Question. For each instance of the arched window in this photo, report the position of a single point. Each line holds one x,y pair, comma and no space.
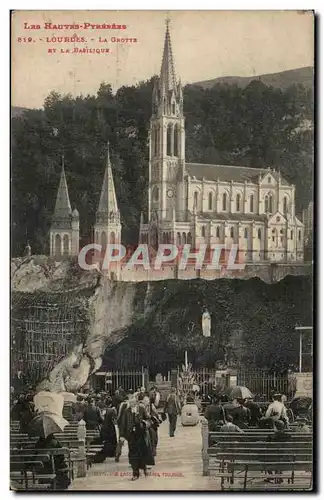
266,204
169,139
154,146
275,236
157,140
189,239
155,193
217,232
112,238
196,199
251,203
184,238
210,201
285,206
224,202
203,231
57,245
245,233
232,232
299,235
259,234
178,239
173,108
103,239
238,203
291,234
65,245
270,203
176,140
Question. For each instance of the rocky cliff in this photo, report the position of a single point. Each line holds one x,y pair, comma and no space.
252,322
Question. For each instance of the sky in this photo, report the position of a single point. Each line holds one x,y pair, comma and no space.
206,45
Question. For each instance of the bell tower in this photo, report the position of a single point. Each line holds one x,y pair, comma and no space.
167,143
64,231
108,227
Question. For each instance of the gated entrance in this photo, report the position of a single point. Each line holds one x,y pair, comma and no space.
111,380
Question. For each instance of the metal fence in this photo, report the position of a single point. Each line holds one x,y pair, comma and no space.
261,384
111,380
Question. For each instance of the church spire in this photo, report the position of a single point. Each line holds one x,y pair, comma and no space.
62,205
108,201
167,75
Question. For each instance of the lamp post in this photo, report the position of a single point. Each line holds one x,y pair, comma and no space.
301,329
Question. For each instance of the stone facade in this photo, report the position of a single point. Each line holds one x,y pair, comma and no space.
65,227
197,203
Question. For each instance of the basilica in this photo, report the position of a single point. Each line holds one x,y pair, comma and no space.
253,208
201,203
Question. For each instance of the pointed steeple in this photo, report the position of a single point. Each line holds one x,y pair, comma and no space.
167,75
108,201
62,206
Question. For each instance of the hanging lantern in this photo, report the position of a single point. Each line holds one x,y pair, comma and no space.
206,323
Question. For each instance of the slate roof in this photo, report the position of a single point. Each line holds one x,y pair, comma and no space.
108,201
229,173
62,206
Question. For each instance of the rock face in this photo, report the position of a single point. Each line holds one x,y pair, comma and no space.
66,320
82,305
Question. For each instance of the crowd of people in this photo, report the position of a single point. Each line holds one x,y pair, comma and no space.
235,416
133,418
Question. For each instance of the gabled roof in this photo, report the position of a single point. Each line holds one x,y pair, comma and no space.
62,206
229,173
108,201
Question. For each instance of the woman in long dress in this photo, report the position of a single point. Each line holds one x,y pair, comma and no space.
154,422
108,434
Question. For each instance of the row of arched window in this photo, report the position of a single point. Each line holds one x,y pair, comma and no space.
225,202
103,240
183,238
173,140
268,203
58,245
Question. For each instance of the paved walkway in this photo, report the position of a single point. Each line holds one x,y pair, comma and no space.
178,467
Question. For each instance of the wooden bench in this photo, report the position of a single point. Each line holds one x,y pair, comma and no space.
249,439
24,471
241,476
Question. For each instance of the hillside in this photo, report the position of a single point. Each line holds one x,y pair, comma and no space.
282,80
17,111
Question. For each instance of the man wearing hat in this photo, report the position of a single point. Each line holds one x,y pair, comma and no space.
277,410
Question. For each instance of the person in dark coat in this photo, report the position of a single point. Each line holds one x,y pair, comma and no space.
61,468
78,409
134,429
107,435
92,416
241,414
27,415
214,413
119,420
154,423
172,408
255,411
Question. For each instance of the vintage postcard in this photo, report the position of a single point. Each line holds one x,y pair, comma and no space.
162,198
